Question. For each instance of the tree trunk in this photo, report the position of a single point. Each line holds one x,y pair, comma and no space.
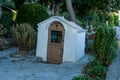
70,10
57,9
0,11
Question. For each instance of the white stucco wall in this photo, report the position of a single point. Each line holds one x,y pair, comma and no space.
71,38
42,41
69,45
80,48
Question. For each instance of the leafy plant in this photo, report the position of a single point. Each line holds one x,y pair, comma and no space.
111,20
86,78
82,78
95,70
3,30
32,14
6,19
93,63
25,36
105,45
116,20
4,44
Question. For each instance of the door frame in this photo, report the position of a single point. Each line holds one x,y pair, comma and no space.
56,26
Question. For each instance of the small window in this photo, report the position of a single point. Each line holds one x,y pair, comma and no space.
56,36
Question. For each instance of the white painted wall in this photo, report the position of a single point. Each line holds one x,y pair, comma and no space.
73,44
42,41
80,48
69,45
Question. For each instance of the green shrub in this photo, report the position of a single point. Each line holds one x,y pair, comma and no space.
105,45
95,19
6,19
81,78
86,78
3,30
32,14
25,36
93,63
4,44
116,21
95,69
113,20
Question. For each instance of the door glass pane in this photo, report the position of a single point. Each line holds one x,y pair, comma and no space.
56,36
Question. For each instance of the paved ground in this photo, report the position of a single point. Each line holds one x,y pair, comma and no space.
114,68
30,68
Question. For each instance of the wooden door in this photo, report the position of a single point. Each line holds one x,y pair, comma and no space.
55,43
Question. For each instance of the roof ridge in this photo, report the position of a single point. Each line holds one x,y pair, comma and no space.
62,19
66,22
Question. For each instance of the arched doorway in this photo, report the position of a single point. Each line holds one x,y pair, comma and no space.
56,33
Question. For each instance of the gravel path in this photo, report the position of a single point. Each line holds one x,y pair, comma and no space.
30,68
7,52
